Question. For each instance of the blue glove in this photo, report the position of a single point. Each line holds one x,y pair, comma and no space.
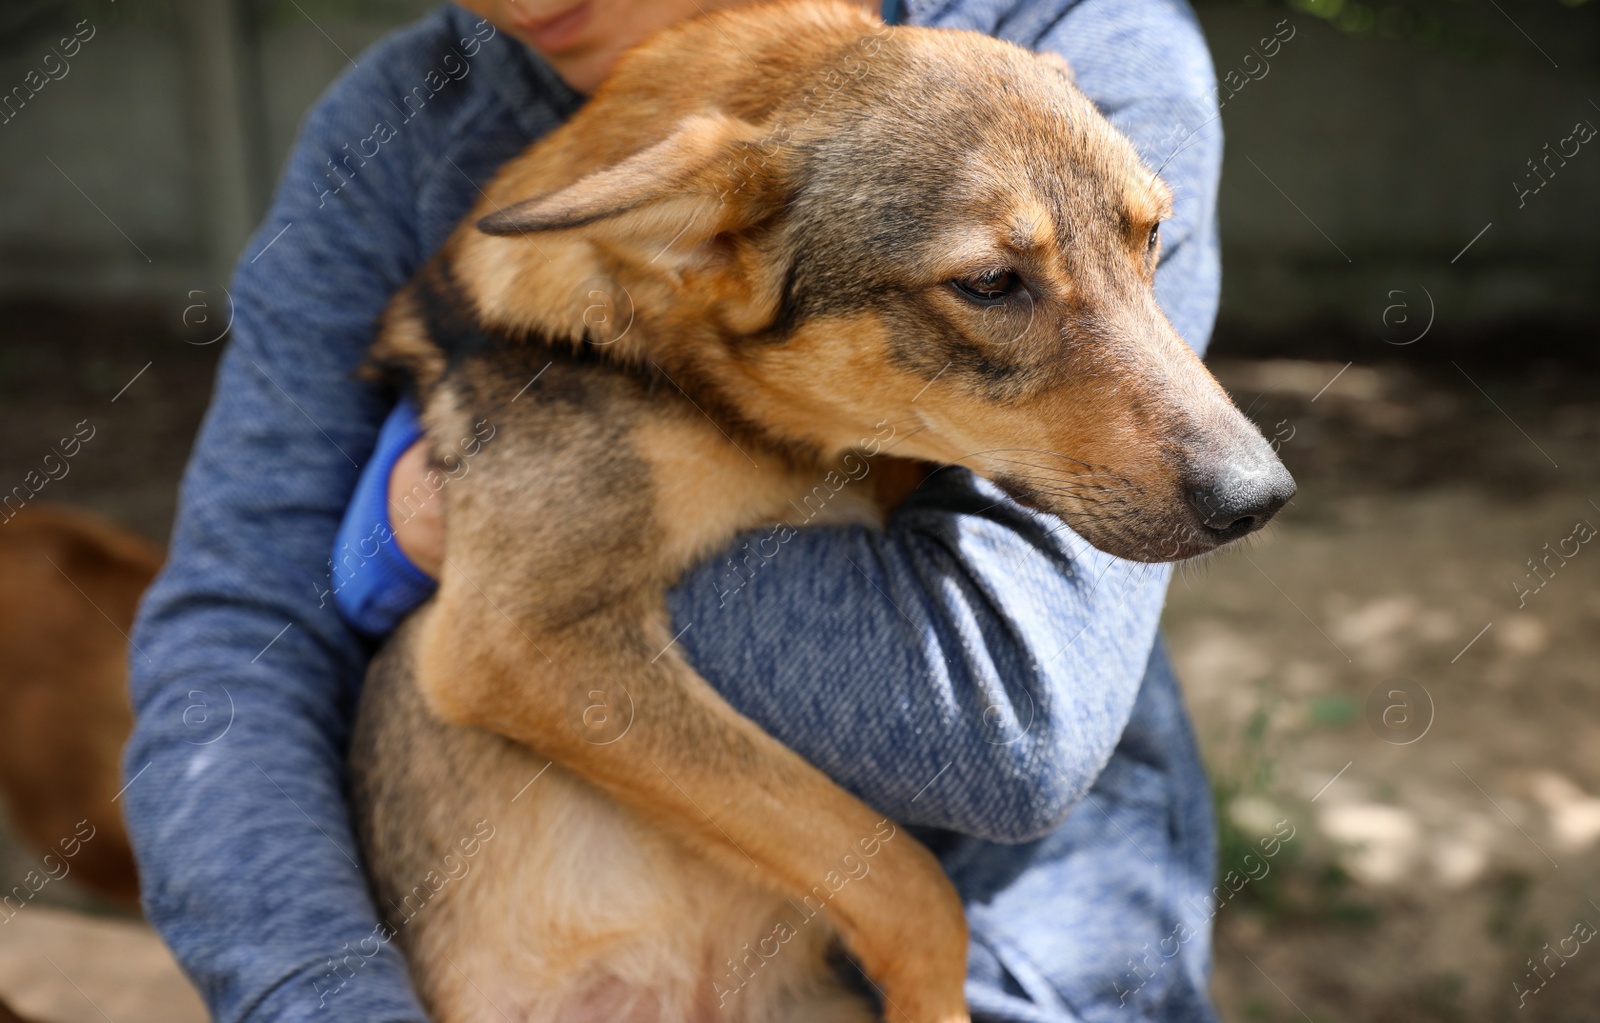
374,584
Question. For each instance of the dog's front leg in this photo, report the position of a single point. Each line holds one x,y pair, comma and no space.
611,700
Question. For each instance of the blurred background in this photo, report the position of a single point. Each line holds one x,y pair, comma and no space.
1411,225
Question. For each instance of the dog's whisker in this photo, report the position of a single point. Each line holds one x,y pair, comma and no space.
1054,471
1033,451
1052,474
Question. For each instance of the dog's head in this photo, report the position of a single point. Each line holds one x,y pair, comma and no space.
852,225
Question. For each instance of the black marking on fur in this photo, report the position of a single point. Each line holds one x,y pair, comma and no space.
450,322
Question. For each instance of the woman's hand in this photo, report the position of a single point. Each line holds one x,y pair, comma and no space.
415,511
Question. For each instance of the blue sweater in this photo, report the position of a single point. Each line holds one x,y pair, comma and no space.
973,670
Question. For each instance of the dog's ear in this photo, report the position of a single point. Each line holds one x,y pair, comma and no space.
685,179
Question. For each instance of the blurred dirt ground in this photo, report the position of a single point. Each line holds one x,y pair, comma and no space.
1430,872
1424,879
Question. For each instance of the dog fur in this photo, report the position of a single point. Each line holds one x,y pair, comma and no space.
777,209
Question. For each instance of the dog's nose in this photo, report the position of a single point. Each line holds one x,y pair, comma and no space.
1242,494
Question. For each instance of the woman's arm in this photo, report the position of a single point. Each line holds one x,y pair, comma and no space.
972,666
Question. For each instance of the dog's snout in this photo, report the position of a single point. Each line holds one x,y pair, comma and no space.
1241,494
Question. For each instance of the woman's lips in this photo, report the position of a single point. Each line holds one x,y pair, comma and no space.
557,32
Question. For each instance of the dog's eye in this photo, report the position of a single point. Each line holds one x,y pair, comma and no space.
987,288
1155,239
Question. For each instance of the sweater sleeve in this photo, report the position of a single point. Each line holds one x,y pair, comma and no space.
243,676
973,665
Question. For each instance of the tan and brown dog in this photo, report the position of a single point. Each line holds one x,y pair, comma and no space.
812,226
72,580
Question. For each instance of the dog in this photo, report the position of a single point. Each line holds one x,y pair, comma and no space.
72,581
820,228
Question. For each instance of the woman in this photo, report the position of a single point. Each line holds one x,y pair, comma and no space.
968,670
